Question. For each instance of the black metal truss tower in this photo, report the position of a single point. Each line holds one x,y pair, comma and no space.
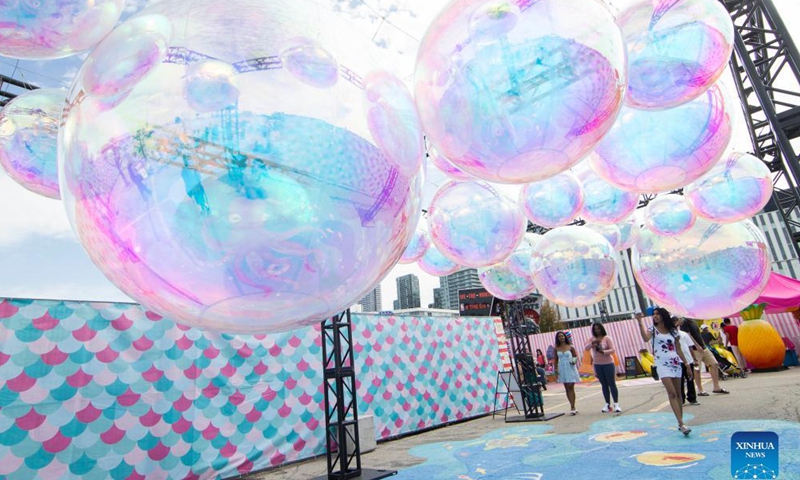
766,67
341,410
6,94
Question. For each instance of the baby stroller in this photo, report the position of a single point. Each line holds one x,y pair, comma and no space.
727,363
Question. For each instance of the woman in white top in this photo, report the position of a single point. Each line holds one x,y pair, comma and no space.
667,351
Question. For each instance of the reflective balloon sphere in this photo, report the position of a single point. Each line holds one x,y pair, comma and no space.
669,215
676,50
516,95
658,151
245,169
629,232
47,29
416,247
29,140
503,283
574,266
710,271
473,225
603,202
736,188
436,264
552,202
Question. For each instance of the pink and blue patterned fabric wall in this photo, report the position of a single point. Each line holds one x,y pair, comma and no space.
97,390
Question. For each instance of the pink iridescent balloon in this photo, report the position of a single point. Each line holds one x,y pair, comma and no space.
554,201
47,29
436,264
416,247
219,171
658,151
516,94
710,271
519,262
736,188
609,232
29,139
676,50
503,283
446,167
603,202
629,230
669,215
473,225
574,266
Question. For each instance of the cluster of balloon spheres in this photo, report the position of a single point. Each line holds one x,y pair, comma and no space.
249,166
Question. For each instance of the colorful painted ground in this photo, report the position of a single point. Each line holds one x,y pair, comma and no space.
640,447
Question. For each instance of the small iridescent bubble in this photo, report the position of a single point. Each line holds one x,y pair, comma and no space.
516,95
519,262
574,266
676,50
669,215
473,225
552,202
210,85
29,140
503,283
436,264
310,63
603,203
48,29
416,247
393,121
446,167
710,271
629,232
736,188
658,151
609,232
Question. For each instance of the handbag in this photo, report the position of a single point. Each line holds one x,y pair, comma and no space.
653,369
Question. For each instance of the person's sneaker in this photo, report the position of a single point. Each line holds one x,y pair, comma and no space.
606,409
694,403
617,408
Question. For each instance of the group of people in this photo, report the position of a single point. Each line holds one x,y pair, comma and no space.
680,349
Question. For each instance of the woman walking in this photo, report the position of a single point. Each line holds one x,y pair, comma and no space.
666,344
602,348
565,364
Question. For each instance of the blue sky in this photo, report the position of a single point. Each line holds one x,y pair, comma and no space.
41,257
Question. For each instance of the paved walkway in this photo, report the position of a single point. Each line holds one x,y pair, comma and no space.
640,443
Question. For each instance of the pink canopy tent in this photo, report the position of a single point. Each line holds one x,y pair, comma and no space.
781,294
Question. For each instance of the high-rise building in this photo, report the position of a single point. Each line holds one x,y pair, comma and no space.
395,304
460,280
372,301
439,298
408,291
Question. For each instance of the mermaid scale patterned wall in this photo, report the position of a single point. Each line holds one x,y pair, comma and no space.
111,391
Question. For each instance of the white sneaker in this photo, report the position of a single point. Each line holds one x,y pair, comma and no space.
617,409
606,409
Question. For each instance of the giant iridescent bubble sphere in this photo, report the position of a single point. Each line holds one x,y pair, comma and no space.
519,262
737,187
516,95
710,271
552,202
436,264
676,50
669,215
603,203
243,169
416,248
609,232
29,139
503,283
473,225
446,167
574,266
47,29
658,151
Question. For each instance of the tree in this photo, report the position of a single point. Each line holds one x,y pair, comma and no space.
549,319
